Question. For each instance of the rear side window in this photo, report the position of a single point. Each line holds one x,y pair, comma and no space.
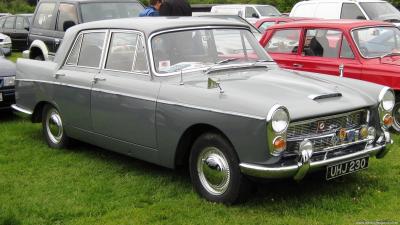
351,11
19,25
9,24
43,18
284,41
91,49
322,43
67,16
328,10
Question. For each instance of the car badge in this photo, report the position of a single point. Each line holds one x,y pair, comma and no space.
321,125
351,136
342,134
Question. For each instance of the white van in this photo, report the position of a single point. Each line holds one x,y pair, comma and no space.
347,9
249,12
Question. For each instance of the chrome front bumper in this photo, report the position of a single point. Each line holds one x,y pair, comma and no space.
306,165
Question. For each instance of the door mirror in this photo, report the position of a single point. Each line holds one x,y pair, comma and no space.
255,15
26,28
361,18
67,24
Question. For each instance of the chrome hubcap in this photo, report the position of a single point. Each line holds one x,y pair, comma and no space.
213,170
54,126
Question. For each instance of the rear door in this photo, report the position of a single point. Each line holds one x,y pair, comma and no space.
283,46
21,34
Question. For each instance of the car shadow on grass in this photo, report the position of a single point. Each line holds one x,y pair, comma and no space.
8,116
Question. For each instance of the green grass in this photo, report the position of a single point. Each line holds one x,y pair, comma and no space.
87,185
14,56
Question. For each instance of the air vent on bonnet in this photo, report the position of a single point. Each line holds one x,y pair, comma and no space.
324,96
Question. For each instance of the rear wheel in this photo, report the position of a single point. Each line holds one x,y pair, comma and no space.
215,172
53,128
396,116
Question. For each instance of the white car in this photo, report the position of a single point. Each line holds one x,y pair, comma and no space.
5,44
249,12
347,9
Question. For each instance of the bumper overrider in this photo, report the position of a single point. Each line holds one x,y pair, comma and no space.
305,164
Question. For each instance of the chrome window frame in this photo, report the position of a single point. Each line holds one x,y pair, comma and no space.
72,48
140,36
80,48
150,47
367,27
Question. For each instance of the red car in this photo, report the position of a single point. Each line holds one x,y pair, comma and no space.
263,24
359,49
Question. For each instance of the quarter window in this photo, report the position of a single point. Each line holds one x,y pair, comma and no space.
9,24
74,54
322,43
351,11
92,47
345,51
67,17
44,16
284,41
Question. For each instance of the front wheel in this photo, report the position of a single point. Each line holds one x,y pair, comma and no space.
396,117
53,128
215,172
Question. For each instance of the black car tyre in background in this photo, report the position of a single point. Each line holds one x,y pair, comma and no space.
214,170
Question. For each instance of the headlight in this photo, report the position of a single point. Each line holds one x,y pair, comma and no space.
387,99
7,39
277,124
280,120
9,81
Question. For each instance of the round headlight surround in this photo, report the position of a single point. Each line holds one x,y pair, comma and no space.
280,120
387,99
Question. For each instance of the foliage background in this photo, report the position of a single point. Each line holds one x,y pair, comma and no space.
22,6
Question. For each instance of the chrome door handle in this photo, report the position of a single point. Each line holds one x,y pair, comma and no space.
97,79
57,75
297,65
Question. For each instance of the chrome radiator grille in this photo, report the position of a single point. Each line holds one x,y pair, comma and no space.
323,132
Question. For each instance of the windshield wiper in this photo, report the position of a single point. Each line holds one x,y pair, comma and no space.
220,63
390,54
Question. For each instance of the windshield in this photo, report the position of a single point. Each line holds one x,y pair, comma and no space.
103,11
266,10
381,11
377,41
202,48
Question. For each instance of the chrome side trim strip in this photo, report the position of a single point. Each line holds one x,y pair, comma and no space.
292,170
211,110
20,109
125,95
56,83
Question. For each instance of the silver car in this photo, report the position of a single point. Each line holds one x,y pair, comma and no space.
5,44
202,92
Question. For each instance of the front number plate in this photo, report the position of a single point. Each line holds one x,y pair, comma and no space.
347,167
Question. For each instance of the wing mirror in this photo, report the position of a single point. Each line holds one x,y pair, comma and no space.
255,15
67,24
361,18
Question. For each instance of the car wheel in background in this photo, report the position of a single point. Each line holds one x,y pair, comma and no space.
215,172
53,129
396,116
39,57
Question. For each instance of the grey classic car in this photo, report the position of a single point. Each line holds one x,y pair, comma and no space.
202,92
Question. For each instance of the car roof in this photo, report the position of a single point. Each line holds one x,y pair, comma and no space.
285,18
346,1
150,25
80,1
346,24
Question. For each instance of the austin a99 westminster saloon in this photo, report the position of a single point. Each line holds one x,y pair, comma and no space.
202,92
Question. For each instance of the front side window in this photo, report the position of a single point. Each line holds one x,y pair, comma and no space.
251,12
322,43
67,16
381,11
122,51
351,11
19,24
377,41
284,41
9,24
91,49
267,10
43,18
203,48
103,11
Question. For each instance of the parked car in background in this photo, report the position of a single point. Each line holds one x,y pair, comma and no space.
16,27
4,14
249,12
5,44
263,24
347,9
202,92
7,83
231,17
364,50
53,17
